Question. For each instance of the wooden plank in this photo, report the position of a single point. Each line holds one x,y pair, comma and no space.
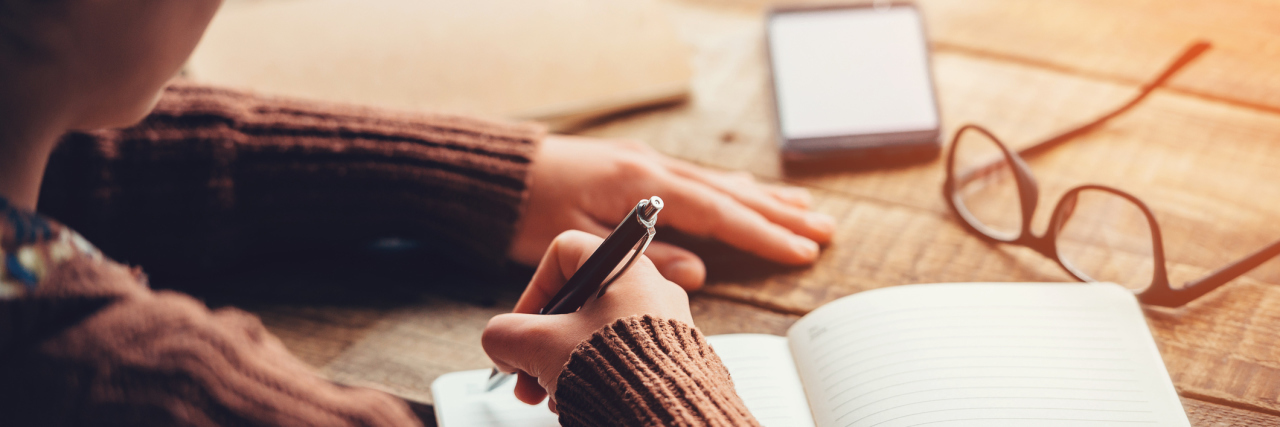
1222,346
402,350
318,334
312,330
411,346
1199,163
1127,40
1202,165
1124,41
1202,161
1205,414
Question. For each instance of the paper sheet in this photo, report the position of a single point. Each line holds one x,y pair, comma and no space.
1011,354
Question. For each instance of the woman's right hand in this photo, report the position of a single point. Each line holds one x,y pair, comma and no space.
539,346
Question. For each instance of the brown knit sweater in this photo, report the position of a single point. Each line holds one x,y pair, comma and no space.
214,176
643,371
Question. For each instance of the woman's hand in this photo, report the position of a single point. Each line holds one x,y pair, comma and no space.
538,346
585,184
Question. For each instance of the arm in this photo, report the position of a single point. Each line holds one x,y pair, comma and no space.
83,341
214,176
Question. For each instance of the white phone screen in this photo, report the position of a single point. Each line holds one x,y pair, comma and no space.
851,72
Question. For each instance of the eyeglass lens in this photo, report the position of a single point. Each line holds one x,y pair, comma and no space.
986,185
1104,237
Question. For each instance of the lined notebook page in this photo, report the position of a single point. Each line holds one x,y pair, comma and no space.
760,365
765,377
1010,354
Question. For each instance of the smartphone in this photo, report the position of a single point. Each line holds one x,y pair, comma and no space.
852,85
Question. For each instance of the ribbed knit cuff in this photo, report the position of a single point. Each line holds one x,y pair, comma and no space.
645,371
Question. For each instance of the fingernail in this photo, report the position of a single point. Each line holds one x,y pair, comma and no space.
821,222
805,247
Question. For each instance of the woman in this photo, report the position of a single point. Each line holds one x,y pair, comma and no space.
213,177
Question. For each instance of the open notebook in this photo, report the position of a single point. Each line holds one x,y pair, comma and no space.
974,354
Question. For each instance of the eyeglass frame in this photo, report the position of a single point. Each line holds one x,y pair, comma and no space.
1159,292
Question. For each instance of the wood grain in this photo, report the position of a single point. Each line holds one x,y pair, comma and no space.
1202,154
402,350
1203,163
1123,41
1205,414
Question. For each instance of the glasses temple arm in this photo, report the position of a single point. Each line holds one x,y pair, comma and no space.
1226,274
1188,55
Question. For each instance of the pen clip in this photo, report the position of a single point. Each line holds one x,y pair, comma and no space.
638,249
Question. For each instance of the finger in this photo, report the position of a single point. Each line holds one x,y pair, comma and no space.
743,188
700,210
567,252
678,265
528,390
793,196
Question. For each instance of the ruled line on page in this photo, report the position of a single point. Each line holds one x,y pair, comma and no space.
1044,409
1079,353
925,354
937,329
953,358
1006,388
887,316
970,337
856,362
982,367
952,420
950,399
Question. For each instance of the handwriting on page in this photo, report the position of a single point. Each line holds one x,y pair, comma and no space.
979,365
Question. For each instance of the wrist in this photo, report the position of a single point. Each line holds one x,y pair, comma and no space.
639,370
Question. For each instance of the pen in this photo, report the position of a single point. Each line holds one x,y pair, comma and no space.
634,232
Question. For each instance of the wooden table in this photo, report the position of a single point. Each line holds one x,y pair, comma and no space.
1204,153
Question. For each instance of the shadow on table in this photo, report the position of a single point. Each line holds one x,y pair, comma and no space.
380,277
362,277
725,263
386,279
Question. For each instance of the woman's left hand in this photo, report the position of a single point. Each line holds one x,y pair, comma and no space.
586,184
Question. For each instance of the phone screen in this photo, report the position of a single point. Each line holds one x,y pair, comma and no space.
852,71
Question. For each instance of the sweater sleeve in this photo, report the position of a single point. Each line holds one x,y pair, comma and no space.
84,341
215,176
645,371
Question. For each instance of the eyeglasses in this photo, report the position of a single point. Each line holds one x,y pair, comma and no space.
1096,232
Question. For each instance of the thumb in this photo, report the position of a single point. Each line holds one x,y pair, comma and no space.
566,253
523,343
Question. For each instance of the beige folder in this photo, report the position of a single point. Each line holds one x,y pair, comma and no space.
559,61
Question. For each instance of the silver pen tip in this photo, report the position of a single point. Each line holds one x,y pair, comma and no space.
496,378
